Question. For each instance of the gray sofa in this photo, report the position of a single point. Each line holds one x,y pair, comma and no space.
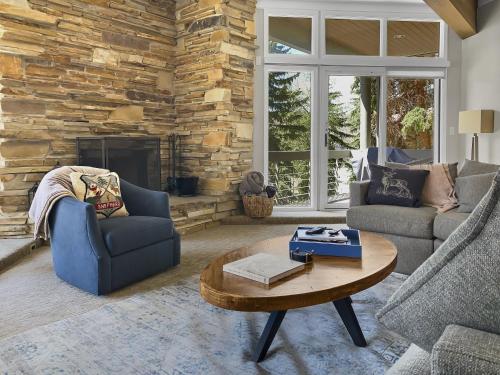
416,232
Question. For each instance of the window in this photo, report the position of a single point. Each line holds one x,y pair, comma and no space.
352,37
413,38
341,91
410,120
352,124
289,136
290,35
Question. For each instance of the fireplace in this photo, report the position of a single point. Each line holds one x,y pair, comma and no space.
135,159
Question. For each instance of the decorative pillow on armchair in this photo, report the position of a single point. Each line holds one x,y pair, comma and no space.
397,187
102,191
459,284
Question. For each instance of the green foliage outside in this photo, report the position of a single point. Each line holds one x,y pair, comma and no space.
410,120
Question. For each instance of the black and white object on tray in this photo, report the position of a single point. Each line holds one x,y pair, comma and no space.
326,235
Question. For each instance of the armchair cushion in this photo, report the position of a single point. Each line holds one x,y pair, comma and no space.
465,351
124,234
458,284
415,361
144,202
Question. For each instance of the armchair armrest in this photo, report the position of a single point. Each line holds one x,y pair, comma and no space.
78,250
357,192
462,350
144,202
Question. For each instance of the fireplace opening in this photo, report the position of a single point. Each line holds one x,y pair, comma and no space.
135,159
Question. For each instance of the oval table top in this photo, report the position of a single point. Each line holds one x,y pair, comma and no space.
324,280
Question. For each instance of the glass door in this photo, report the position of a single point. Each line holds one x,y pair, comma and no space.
350,122
412,112
290,118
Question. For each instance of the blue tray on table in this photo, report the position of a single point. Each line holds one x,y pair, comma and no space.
351,249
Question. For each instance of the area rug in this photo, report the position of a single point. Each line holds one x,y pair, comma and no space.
171,330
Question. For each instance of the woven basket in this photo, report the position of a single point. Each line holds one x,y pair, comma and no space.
257,206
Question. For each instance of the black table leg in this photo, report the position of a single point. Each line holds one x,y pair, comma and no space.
267,337
344,308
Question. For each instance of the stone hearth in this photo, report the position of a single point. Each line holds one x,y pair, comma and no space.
143,67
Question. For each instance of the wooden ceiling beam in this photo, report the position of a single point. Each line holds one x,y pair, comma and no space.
460,15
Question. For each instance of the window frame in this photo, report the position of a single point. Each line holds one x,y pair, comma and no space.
293,59
388,66
314,71
318,54
442,34
342,58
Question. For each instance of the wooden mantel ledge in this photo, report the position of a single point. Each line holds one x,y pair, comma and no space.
24,13
177,202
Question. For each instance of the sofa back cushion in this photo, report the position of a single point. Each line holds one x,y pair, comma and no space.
471,189
458,284
397,187
471,167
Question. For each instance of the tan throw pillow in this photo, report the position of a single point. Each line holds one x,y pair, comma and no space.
439,187
102,191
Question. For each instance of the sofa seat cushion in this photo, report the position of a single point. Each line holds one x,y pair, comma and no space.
124,234
403,221
446,223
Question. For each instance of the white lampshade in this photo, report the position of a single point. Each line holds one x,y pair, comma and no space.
477,121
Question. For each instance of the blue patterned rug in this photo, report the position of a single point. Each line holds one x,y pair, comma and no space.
173,331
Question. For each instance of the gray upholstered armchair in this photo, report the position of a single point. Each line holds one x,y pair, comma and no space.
101,256
449,308
459,350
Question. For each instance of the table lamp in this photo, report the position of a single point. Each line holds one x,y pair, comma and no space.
475,122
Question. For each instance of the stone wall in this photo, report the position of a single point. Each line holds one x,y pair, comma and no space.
214,90
73,68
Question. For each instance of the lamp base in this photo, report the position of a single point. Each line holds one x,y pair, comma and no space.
474,152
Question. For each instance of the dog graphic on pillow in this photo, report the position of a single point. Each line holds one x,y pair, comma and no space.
103,192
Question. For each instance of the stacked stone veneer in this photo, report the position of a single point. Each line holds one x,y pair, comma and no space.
125,67
214,90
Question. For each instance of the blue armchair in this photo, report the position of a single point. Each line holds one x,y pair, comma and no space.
100,256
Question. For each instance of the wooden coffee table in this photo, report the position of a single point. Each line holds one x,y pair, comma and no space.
326,279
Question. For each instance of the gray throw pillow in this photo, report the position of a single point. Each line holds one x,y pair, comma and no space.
470,168
471,189
459,284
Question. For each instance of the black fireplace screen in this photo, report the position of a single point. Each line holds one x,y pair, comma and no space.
135,159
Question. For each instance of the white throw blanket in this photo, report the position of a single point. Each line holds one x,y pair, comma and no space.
55,185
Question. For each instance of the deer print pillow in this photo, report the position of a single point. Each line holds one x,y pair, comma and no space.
102,191
397,187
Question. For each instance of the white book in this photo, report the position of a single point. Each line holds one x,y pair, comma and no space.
264,268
